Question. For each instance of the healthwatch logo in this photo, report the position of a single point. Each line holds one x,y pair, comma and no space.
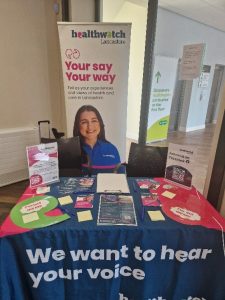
122,297
194,298
98,34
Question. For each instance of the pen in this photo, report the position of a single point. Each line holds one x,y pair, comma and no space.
134,187
84,192
67,212
143,213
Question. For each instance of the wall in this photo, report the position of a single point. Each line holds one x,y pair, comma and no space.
29,76
183,31
82,11
130,12
173,31
214,148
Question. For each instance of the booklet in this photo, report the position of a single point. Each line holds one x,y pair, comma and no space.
150,199
69,185
84,201
147,183
116,210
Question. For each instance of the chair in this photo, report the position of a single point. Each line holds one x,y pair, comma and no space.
47,140
146,161
69,155
57,134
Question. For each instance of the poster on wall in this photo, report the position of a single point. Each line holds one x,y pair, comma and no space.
163,83
204,77
191,62
180,164
42,164
95,59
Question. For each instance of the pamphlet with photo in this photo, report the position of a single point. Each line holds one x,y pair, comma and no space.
69,185
147,183
84,201
150,199
116,210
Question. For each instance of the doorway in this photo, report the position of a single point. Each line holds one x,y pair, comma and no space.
212,111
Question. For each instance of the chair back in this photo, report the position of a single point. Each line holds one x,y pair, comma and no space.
69,154
146,161
87,169
57,134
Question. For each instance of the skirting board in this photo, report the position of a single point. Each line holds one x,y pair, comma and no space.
132,136
9,178
188,129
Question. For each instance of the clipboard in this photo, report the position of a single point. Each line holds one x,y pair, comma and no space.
112,183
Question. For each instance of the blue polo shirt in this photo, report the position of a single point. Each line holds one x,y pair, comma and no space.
104,156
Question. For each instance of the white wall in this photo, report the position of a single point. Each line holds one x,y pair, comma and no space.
130,12
82,10
173,31
29,75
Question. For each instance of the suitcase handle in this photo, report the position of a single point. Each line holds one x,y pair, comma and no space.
45,121
39,125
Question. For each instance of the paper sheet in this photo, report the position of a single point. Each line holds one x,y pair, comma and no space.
168,194
84,216
156,215
30,217
42,189
112,183
65,200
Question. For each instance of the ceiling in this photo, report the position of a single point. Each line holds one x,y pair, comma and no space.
209,12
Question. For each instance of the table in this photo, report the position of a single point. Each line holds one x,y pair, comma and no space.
163,260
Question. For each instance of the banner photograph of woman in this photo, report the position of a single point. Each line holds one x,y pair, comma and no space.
99,155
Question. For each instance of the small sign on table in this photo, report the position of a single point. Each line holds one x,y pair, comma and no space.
43,164
180,164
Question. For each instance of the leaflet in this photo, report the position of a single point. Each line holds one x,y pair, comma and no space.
84,201
116,210
150,199
147,183
69,185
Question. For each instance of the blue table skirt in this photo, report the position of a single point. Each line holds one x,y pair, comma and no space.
154,260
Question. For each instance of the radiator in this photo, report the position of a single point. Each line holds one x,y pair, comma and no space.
13,160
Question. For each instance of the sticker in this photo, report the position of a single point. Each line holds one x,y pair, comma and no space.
84,216
65,200
168,194
30,217
156,215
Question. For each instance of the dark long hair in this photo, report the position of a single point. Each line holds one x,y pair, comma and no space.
76,126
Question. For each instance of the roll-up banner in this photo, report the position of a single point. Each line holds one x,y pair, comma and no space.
163,83
95,60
